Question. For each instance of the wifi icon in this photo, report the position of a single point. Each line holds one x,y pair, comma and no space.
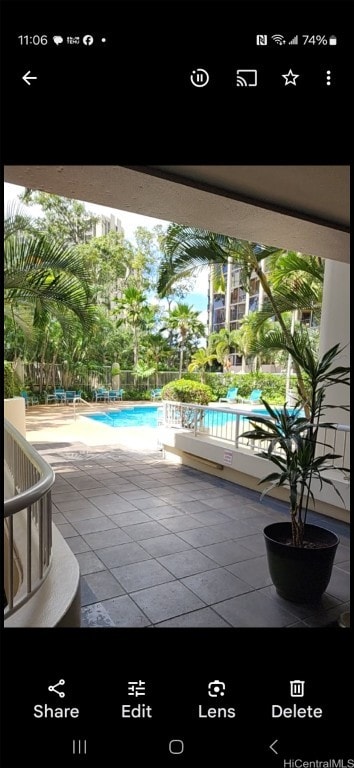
279,39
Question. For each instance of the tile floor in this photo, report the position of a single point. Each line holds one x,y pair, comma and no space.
168,546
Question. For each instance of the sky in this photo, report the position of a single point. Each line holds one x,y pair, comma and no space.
130,222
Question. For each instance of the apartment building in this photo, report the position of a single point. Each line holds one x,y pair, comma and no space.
227,309
107,224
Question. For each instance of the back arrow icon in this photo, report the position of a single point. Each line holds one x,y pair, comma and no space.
271,746
27,77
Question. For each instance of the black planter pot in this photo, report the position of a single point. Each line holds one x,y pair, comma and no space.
300,575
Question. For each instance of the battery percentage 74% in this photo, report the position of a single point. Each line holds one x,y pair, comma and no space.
314,40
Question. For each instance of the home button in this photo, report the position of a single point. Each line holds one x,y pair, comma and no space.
176,746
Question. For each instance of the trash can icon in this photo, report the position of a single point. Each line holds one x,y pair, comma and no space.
333,40
297,688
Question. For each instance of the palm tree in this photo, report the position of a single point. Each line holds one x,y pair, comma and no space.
222,343
42,277
200,359
191,249
134,312
296,281
142,370
185,321
156,350
250,339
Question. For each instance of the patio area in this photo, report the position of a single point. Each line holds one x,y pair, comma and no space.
162,545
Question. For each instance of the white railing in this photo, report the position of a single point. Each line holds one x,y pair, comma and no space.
226,424
27,520
229,424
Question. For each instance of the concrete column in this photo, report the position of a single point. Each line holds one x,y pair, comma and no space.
335,329
261,291
210,299
230,264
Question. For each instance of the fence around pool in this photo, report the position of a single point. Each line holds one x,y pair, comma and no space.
228,425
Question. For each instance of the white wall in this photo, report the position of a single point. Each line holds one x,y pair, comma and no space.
15,413
335,329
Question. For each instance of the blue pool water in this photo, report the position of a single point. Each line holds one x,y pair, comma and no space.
146,416
139,416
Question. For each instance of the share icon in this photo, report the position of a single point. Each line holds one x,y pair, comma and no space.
53,688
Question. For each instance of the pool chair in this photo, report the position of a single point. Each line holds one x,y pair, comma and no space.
71,395
254,397
156,394
231,396
101,394
115,394
51,397
29,399
60,394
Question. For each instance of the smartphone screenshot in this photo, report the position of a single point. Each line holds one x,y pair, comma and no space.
176,374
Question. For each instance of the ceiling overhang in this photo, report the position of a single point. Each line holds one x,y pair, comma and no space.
304,210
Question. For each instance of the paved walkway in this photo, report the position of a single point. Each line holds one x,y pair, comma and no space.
164,545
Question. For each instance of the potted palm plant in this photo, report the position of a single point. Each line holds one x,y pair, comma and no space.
300,555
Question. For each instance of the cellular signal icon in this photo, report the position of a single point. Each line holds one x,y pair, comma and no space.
294,41
279,39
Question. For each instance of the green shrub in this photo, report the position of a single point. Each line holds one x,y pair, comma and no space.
273,385
12,382
218,383
185,391
136,394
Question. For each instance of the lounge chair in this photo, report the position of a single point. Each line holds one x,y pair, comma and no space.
231,396
29,399
254,397
156,394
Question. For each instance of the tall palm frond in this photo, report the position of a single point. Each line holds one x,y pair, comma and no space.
297,284
41,274
287,299
192,249
16,219
292,264
275,340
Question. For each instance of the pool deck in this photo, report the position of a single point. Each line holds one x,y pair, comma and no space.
164,545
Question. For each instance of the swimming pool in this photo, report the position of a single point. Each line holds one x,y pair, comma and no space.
147,416
137,416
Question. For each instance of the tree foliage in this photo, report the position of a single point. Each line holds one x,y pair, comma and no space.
42,277
62,218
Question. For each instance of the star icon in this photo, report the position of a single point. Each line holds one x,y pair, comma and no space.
290,78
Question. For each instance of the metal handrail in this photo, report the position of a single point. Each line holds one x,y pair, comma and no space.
29,496
27,520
